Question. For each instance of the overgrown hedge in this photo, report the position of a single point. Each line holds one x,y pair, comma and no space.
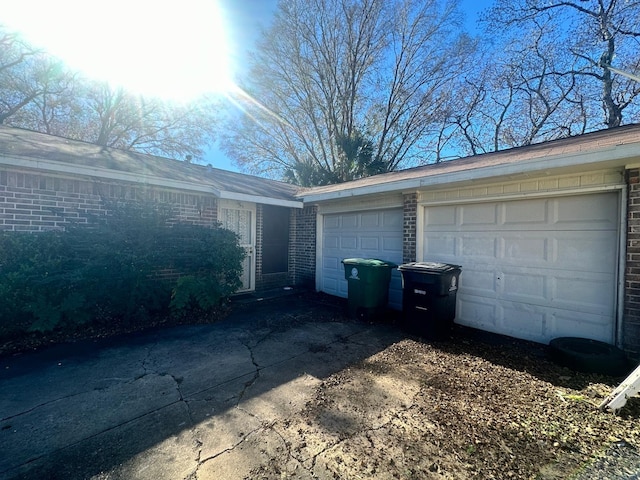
122,270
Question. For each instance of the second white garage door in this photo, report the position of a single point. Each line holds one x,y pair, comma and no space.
370,234
533,269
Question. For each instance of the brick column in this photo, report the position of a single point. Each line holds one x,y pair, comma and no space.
303,246
631,319
409,232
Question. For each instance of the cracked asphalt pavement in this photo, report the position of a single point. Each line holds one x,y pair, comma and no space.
188,402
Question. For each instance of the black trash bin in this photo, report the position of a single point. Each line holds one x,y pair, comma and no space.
429,297
368,285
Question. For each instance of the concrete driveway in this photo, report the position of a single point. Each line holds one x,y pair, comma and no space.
176,403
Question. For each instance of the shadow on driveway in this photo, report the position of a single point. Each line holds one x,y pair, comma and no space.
160,404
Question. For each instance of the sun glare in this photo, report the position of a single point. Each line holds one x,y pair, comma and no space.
175,50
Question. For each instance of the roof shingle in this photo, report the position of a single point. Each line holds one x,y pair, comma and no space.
19,143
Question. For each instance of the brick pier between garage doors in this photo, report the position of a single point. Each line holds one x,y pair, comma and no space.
541,233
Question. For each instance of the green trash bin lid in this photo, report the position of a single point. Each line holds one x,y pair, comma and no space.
368,262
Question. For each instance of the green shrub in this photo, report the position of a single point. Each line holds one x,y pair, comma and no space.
210,274
110,272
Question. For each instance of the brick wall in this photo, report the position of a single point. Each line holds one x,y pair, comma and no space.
303,246
631,321
35,202
409,227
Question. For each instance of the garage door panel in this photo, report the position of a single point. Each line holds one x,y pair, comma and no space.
391,245
479,214
478,312
577,291
349,221
526,212
528,288
507,318
370,244
371,234
439,246
582,212
348,243
479,246
370,220
565,323
588,294
529,247
392,220
330,263
591,212
524,320
330,284
542,262
444,216
331,223
331,241
479,281
574,250
547,249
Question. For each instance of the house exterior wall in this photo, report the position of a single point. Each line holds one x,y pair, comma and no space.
32,201
303,246
35,202
631,319
523,187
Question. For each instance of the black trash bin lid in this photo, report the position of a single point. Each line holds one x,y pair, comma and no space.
428,267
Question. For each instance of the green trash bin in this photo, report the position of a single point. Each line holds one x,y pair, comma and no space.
368,285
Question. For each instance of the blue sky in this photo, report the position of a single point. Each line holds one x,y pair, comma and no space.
248,16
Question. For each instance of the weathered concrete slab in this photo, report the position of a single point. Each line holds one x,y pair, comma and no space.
177,403
71,419
158,445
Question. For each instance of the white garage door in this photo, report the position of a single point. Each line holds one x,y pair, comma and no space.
533,269
371,234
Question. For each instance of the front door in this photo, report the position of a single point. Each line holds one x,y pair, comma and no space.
240,218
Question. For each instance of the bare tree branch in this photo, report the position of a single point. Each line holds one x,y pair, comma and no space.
348,72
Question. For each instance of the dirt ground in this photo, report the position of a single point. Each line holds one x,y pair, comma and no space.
464,408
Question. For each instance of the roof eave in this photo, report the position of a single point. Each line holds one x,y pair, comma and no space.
142,179
618,155
244,197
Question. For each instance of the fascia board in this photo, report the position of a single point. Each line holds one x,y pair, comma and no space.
617,155
245,197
